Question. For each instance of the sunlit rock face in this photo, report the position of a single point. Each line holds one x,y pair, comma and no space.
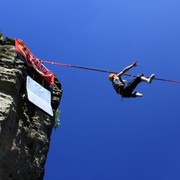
25,129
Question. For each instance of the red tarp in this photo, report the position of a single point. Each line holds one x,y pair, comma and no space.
37,65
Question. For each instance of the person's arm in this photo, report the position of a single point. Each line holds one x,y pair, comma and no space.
127,68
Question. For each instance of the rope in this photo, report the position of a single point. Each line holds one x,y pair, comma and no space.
103,70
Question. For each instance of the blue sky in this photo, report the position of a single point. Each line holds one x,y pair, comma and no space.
101,137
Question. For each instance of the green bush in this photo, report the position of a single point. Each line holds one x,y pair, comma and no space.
57,121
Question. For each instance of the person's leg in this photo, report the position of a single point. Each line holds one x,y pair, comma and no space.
132,85
148,80
127,91
129,88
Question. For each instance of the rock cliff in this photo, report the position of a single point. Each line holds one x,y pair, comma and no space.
25,129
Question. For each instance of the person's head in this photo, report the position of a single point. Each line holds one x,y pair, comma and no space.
111,76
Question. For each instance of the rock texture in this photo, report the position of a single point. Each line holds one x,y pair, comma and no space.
25,130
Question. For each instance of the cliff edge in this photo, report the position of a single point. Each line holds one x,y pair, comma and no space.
25,129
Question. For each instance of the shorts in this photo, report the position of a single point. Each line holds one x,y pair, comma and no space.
128,89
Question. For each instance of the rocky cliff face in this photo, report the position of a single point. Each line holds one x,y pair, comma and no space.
25,129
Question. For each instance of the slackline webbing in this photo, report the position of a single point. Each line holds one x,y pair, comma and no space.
103,70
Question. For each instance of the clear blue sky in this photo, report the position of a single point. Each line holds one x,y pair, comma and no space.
101,137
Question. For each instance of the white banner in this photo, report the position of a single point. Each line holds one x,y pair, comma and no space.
39,96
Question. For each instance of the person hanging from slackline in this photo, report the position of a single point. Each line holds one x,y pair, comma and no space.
127,90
